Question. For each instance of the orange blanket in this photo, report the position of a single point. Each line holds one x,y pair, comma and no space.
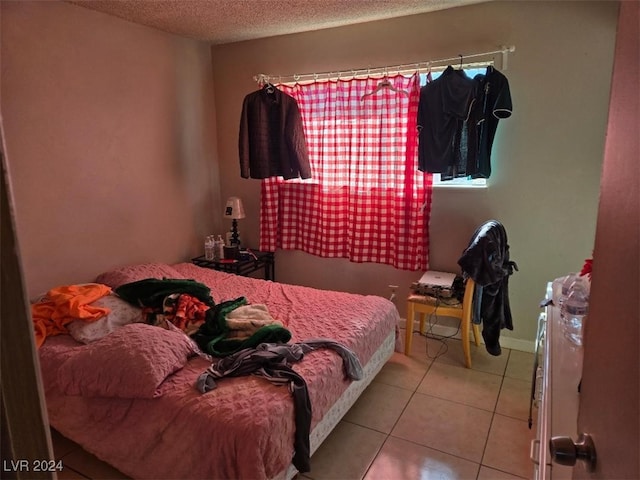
65,304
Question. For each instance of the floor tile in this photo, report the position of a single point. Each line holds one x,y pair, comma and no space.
447,350
434,348
91,466
400,459
514,399
508,446
520,365
463,385
481,360
69,474
403,371
450,427
487,473
62,445
420,349
346,454
379,407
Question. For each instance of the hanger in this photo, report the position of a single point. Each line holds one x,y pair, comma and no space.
265,84
268,86
384,83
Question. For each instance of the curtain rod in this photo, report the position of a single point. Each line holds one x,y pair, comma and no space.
422,66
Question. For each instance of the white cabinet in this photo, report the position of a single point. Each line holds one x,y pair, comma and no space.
556,390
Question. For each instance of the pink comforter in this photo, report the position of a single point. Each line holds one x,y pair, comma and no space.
245,427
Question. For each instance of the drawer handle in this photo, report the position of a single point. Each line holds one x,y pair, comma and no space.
533,451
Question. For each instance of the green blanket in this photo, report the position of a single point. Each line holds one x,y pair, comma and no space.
211,337
151,292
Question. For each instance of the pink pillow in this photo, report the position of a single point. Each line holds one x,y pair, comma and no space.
131,362
132,273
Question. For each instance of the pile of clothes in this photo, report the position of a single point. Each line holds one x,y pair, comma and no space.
219,329
62,305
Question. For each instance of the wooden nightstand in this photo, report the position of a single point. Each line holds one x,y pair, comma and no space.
243,266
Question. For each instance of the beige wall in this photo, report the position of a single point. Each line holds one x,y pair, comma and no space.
547,157
110,140
114,149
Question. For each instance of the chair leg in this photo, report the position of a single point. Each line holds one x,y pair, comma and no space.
423,317
465,343
408,338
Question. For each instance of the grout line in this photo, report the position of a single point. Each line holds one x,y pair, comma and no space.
78,472
438,450
493,414
388,435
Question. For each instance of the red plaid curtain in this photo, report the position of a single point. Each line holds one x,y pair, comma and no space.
366,200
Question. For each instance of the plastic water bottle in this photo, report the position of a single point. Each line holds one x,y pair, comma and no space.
576,307
219,248
209,247
567,283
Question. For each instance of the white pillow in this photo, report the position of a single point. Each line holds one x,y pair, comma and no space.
122,313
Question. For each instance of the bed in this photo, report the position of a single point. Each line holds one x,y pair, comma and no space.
130,397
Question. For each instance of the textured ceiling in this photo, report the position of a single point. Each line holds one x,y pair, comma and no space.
226,21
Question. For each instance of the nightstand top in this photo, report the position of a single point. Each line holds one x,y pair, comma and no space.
250,261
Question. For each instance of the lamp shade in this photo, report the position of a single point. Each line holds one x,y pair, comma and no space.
234,208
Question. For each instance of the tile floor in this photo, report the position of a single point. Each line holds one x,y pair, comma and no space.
422,418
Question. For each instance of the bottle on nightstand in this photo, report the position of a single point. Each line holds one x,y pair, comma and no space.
219,248
209,247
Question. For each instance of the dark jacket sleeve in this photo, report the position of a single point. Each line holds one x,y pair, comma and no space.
243,140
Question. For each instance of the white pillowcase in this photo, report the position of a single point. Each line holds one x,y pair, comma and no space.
122,313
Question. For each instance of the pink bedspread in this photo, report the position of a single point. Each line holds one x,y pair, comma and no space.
245,427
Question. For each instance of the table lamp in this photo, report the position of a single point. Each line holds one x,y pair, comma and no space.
234,210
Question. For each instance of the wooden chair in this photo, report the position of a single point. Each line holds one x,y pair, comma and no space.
424,305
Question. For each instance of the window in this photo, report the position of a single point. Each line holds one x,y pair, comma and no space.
367,200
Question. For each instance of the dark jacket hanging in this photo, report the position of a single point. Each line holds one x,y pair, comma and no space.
492,103
272,141
486,261
442,112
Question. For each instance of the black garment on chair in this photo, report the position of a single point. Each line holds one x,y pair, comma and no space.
486,261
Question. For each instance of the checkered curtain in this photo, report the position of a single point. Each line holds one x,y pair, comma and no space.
366,200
